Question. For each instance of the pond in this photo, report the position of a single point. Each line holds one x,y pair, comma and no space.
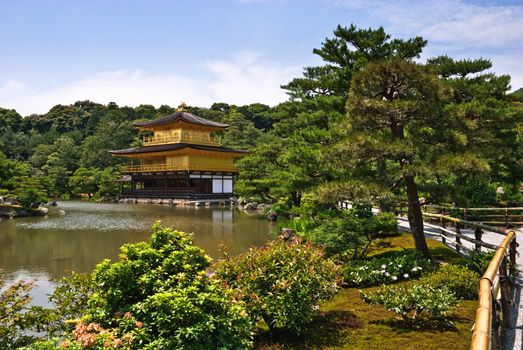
46,248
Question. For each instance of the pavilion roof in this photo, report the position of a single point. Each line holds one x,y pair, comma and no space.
173,147
183,116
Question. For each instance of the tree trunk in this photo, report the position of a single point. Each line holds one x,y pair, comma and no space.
381,169
415,216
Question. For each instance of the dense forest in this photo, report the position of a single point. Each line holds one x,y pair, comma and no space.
458,132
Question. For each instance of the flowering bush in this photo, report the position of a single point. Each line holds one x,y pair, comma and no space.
159,297
281,283
415,301
402,266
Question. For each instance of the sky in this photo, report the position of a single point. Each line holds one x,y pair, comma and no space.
203,51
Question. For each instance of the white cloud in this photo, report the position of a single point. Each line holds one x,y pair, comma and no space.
249,79
246,78
455,27
11,88
454,22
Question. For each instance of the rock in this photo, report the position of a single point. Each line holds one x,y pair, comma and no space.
106,199
61,212
208,204
287,233
272,216
52,204
198,204
262,207
34,205
43,211
1,200
250,206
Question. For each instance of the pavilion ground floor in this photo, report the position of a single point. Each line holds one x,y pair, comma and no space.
190,185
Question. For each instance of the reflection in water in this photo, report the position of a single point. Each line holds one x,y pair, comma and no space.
51,247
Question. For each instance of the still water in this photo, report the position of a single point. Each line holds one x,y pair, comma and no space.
46,248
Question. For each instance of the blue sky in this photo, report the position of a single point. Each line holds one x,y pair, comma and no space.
234,51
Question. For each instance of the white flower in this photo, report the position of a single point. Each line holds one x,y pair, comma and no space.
383,266
394,278
406,275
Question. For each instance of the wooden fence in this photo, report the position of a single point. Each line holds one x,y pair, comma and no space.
507,217
494,310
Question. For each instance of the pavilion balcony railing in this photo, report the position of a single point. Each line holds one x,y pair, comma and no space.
151,168
179,138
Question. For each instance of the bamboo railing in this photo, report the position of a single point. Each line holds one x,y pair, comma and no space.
493,313
494,310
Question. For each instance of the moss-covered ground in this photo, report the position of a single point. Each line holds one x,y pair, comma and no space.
346,322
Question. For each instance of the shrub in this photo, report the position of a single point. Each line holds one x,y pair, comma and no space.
476,193
14,320
479,261
459,280
400,266
159,296
26,196
281,283
415,301
349,232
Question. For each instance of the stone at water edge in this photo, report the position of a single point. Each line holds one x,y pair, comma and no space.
250,206
272,216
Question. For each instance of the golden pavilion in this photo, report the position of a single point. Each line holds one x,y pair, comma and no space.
181,160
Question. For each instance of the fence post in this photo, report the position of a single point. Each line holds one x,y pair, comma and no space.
506,217
477,235
495,341
458,239
505,294
512,252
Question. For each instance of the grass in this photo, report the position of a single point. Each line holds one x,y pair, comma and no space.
347,322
